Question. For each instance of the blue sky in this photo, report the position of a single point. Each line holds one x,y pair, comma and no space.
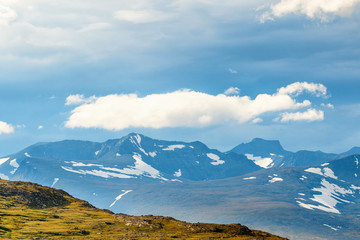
96,70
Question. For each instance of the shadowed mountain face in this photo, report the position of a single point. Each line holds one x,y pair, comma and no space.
312,197
31,211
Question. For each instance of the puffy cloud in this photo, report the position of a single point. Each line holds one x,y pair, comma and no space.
321,9
183,108
78,99
40,127
309,116
299,87
6,128
232,91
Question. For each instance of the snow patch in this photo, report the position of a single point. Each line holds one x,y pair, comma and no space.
137,143
140,168
97,173
354,187
118,154
314,170
27,155
3,160
335,229
55,181
216,158
191,147
120,196
325,164
173,147
152,154
262,162
301,194
178,173
276,179
97,152
14,164
328,198
249,178
80,164
325,172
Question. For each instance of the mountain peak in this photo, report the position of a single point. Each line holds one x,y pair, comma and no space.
260,147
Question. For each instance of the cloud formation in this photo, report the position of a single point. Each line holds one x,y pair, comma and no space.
310,115
6,128
316,9
183,108
232,91
78,99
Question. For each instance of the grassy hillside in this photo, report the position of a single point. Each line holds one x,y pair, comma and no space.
31,211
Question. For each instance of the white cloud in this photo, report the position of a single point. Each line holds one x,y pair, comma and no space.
329,105
299,87
6,15
310,115
141,16
78,99
6,128
232,71
232,91
257,120
320,9
40,127
183,108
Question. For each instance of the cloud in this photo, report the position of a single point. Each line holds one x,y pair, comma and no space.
141,16
329,105
310,115
6,15
299,87
257,120
183,108
40,127
78,99
232,71
319,9
232,91
6,128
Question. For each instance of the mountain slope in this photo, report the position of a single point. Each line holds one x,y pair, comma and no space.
320,202
31,211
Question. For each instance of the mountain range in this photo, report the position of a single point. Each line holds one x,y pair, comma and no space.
301,195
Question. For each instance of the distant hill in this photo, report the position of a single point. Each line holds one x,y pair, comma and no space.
31,211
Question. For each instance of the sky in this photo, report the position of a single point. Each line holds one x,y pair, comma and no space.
220,72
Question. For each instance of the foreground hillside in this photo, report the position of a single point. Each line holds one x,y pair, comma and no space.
31,211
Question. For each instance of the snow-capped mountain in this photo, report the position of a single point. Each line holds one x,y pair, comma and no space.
94,171
319,202
270,153
250,184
